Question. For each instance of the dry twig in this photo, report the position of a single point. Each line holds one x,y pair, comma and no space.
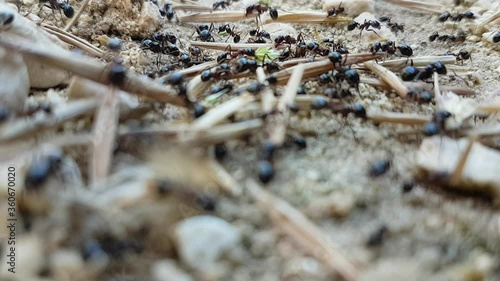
304,232
389,77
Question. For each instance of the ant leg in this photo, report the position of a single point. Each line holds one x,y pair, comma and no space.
369,29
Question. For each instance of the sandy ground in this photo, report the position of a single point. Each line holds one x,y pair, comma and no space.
432,234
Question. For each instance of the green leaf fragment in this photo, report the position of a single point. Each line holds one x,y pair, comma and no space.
266,54
213,98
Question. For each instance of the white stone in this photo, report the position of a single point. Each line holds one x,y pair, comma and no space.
30,258
66,263
168,270
276,29
40,75
352,7
201,241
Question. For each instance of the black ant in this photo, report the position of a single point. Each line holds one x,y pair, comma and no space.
496,37
460,37
411,73
357,109
332,12
259,9
337,47
167,11
204,33
364,26
226,28
421,97
285,39
317,49
260,35
351,76
395,27
458,17
245,64
221,4
438,123
271,67
461,56
67,9
390,48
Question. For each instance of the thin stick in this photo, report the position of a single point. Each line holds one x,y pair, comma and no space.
278,128
94,70
225,181
216,17
77,16
461,91
419,61
481,26
300,17
389,77
457,174
74,40
26,127
437,92
268,100
427,7
221,112
304,232
191,8
105,128
316,68
222,46
399,118
489,107
219,133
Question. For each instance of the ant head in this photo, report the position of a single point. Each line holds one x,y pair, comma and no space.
409,73
6,19
352,25
439,67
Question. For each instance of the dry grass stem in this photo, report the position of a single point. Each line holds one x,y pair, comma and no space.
74,20
223,46
489,108
191,8
438,97
389,77
225,181
464,155
217,114
74,40
417,61
277,129
480,28
268,99
399,118
94,70
306,18
219,133
24,127
217,17
105,130
193,70
427,7
11,150
316,68
196,87
418,86
304,232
